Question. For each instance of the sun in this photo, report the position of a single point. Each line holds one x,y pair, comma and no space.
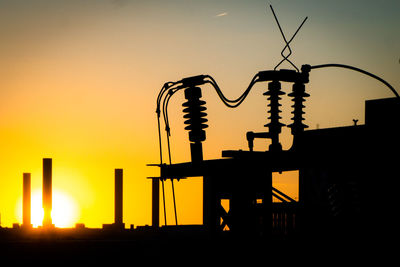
64,212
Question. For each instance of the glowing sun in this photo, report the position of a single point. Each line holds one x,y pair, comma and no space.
64,212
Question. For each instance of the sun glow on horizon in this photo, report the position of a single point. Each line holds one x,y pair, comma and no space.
64,212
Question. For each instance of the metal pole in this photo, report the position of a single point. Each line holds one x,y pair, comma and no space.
156,202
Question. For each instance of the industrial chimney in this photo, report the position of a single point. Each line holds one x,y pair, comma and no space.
118,199
26,201
47,192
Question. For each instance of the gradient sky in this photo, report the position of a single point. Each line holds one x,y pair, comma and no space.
79,81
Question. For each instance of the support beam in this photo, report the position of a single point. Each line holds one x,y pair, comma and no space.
155,202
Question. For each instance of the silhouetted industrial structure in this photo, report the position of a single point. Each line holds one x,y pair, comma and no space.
155,202
47,192
118,199
347,180
26,201
342,170
118,202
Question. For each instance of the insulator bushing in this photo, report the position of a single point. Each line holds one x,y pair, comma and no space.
274,126
299,96
195,115
274,91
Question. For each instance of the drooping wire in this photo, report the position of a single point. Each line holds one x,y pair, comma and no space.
165,87
173,197
235,102
158,111
286,58
228,102
159,139
359,70
168,134
161,162
171,91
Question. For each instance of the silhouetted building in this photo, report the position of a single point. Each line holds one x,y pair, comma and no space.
47,192
80,226
26,201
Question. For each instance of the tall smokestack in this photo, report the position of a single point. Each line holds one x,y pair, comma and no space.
26,201
118,198
47,192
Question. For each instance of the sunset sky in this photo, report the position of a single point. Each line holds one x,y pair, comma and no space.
79,81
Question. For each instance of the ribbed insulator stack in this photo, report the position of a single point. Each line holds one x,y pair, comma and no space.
274,92
299,96
195,115
195,121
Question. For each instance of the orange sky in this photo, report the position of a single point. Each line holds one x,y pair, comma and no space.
79,81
